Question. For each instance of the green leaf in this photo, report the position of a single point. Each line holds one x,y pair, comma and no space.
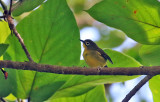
25,6
139,19
10,98
95,95
51,36
4,83
5,86
121,59
3,48
77,5
5,31
150,54
113,39
134,52
154,86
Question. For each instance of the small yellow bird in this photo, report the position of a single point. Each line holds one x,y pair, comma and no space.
93,55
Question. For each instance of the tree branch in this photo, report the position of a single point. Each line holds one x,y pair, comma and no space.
154,70
150,71
136,88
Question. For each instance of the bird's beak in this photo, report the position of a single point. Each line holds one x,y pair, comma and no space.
82,41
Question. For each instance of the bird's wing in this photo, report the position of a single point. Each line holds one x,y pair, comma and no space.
104,55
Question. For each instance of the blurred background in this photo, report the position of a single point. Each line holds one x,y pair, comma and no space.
106,37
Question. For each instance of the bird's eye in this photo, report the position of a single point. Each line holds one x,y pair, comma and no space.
87,43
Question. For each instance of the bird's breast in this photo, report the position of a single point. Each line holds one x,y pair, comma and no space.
94,58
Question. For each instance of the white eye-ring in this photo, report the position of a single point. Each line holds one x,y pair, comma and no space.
87,43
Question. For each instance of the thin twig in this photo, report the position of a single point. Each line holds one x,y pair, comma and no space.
136,88
1,99
2,16
22,44
12,28
3,5
154,70
10,7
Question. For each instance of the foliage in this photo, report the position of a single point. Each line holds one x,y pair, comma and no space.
23,6
51,35
150,55
3,48
131,17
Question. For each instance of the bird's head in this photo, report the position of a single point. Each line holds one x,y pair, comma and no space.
89,44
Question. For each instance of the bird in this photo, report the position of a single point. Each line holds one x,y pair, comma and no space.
93,55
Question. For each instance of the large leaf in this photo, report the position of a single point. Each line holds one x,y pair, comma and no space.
121,59
151,56
154,86
47,43
77,5
3,48
4,31
113,39
3,90
134,52
139,19
22,6
95,95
